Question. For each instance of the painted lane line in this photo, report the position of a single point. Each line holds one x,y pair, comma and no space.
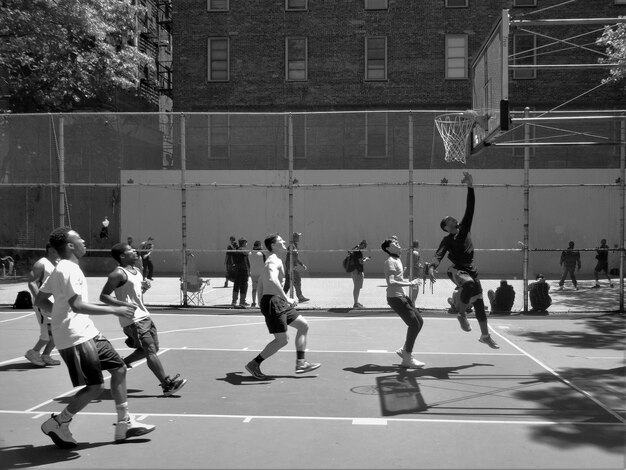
369,422
341,418
564,380
18,318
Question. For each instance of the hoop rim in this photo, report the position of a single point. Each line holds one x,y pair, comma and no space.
440,117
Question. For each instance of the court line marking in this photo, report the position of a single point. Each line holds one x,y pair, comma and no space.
353,419
575,387
17,318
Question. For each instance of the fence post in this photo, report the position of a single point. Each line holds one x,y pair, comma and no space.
183,205
290,237
410,243
622,170
61,170
526,205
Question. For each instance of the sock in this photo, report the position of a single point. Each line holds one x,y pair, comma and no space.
300,355
65,416
258,359
122,411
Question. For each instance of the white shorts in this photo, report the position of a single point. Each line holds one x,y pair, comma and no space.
44,325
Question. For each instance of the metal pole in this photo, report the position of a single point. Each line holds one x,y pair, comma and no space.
61,170
290,155
411,267
183,203
526,205
622,169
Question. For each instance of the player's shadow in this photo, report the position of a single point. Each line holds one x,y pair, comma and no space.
237,378
105,395
28,455
442,373
20,367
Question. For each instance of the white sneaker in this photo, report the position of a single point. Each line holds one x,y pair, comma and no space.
59,433
408,361
34,357
131,428
49,361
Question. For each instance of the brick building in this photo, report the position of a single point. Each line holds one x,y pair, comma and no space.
299,55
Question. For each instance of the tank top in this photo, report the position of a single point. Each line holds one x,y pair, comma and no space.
130,292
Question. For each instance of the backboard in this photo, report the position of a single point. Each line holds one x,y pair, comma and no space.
490,83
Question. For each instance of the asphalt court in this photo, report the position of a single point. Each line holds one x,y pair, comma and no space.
359,410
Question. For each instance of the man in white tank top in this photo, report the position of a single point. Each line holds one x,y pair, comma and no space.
40,271
128,284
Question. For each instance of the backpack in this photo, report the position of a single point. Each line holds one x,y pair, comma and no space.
348,263
23,300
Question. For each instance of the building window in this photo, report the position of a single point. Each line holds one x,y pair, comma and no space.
217,5
218,136
376,5
376,58
524,3
524,53
297,5
298,123
457,3
375,135
456,56
296,59
218,60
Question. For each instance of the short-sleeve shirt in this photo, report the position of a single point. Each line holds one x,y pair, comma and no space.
69,328
130,292
393,266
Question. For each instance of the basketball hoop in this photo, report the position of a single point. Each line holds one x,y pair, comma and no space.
455,129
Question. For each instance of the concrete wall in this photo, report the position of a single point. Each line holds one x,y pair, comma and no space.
334,219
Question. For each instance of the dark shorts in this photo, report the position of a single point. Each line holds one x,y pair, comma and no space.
277,312
86,361
602,266
142,335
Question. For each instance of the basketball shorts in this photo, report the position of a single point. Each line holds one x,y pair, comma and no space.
602,266
277,312
86,361
142,335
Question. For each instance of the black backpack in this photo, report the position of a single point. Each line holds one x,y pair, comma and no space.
23,300
348,262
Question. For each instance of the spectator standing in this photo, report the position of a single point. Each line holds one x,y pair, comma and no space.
147,247
502,299
358,273
539,294
228,260
293,262
104,231
570,259
257,262
603,263
241,273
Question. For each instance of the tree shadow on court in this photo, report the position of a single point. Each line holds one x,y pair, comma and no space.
607,331
578,418
29,456
598,300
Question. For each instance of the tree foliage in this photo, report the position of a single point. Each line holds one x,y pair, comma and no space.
60,54
614,39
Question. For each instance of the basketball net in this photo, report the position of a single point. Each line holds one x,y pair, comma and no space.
455,129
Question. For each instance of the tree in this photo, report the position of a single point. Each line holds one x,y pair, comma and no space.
614,39
60,54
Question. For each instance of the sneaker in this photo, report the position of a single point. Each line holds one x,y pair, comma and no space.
130,428
612,285
358,305
408,361
244,305
34,357
305,366
173,385
49,361
59,433
486,339
255,370
303,299
465,326
576,287
253,304
597,286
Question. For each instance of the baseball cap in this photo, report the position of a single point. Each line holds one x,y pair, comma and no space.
297,234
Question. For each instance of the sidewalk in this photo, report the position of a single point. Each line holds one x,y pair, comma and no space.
335,294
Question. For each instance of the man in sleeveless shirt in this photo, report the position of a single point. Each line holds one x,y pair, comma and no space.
128,284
